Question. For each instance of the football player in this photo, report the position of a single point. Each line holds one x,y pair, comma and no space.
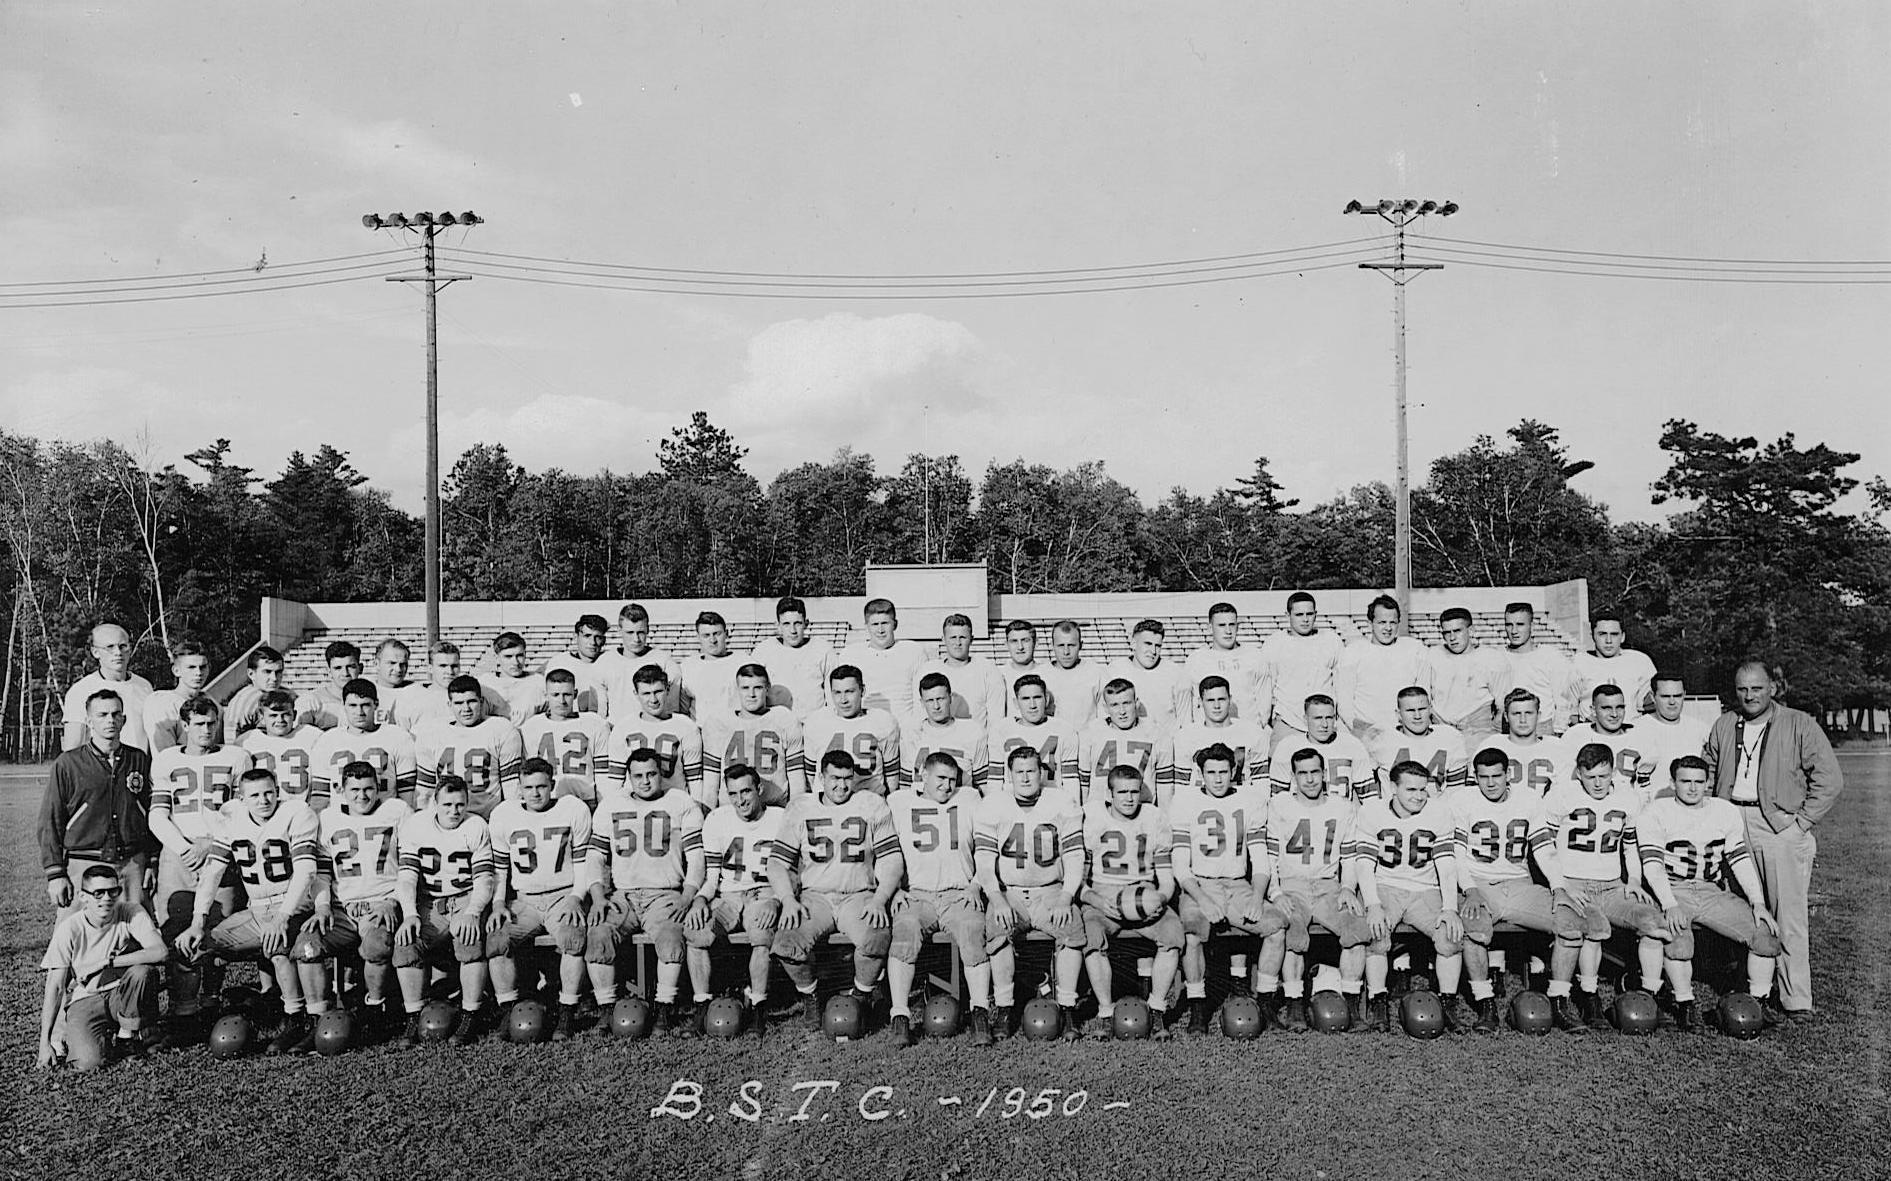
357,904
940,731
1408,879
978,685
1308,830
1690,843
245,709
709,677
647,852
1075,684
1030,857
445,885
764,738
392,688
835,866
1468,680
321,706
1345,758
484,750
433,702
1435,746
1611,727
1670,733
937,824
738,838
285,747
582,660
524,691
540,844
1165,692
1220,861
1528,752
1124,736
363,737
796,664
1491,830
189,785
887,668
1370,676
1020,660
100,975
190,664
1299,663
271,843
1238,665
1545,671
617,668
869,735
676,738
1033,726
1216,723
1585,841
1609,663
1129,842
577,745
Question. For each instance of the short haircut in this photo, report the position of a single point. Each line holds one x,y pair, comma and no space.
256,775
591,622
1020,753
185,648
275,699
1119,685
710,619
633,613
361,687
197,705
839,760
1068,627
1593,755
262,655
1414,691
1152,626
104,695
507,641
644,754
878,607
752,669
1690,763
1319,699
1515,695
649,674
1405,767
1216,752
1124,773
1605,690
1490,756
443,648
1297,598
359,769
538,766
1212,681
1387,602
786,605
735,771
1021,627
1460,614
1674,678
464,683
98,873
1610,616
561,676
845,672
956,619
935,680
939,758
340,650
393,645
1018,685
1222,609
1520,609
451,783
1303,754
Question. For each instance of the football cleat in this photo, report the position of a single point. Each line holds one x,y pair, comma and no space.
1422,1015
1589,1004
1531,1012
663,1018
981,1027
1635,1013
1197,1016
1242,1018
1564,1016
813,1013
1485,1009
942,1016
901,1029
686,1019
1684,1016
1293,1014
230,1036
292,1035
467,1031
410,1033
562,1027
1100,1027
1379,1014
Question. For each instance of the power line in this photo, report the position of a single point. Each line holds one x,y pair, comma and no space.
199,274
1456,252
1703,277
257,290
255,279
1658,257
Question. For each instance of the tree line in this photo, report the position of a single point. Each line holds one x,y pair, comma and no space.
1759,558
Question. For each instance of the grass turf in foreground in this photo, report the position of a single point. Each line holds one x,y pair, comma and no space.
1806,1101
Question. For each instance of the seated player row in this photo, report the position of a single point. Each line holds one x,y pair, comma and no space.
375,880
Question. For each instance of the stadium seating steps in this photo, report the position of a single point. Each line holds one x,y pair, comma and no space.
1105,638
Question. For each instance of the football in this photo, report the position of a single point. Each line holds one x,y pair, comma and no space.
1328,1012
1530,1013
1241,1018
1042,1020
437,1019
630,1018
1635,1013
723,1017
1740,1015
333,1031
942,1016
1133,1019
231,1035
1139,903
528,1023
844,1018
1422,1015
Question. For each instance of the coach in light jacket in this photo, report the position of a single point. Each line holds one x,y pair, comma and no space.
1777,765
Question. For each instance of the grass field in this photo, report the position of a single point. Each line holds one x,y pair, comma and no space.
1802,1101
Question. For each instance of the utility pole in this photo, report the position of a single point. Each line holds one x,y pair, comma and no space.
428,225
1398,213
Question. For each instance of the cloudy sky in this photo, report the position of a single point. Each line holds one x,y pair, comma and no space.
894,140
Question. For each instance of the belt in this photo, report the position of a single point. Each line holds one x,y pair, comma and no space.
1745,803
95,855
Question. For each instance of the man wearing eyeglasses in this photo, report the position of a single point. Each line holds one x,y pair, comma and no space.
95,811
100,970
